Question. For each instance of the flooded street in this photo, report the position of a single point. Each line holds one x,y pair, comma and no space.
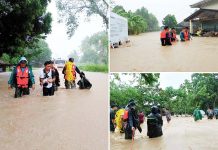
72,119
182,133
147,54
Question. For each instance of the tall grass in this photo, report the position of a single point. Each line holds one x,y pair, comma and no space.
93,67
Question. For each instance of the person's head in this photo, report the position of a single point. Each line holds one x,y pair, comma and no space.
132,105
23,62
52,63
71,59
47,65
154,109
114,107
187,28
166,28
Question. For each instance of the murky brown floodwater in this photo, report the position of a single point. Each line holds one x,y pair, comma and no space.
70,120
182,133
147,54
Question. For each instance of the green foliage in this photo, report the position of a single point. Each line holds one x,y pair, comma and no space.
36,54
170,21
150,19
139,21
71,10
201,91
22,22
95,49
94,67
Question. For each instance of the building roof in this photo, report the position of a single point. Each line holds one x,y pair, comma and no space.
201,3
203,14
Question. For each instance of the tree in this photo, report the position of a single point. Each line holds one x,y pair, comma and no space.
95,49
36,54
150,19
22,22
170,21
136,24
71,10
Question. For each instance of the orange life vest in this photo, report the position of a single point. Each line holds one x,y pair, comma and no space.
22,77
186,36
163,34
126,115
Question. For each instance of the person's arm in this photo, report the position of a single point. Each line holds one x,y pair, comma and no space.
77,70
11,79
63,71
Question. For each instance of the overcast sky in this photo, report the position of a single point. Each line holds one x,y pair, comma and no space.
160,8
173,79
58,40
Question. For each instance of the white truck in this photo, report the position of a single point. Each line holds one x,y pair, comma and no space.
118,30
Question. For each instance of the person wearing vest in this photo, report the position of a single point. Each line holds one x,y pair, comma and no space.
56,74
132,121
47,78
154,123
21,78
173,35
187,34
69,71
184,34
163,36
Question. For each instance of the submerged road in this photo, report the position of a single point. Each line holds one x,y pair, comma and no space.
147,55
70,120
182,133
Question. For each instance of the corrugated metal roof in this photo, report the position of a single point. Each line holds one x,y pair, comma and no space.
201,3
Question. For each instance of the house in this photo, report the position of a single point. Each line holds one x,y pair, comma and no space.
3,66
205,17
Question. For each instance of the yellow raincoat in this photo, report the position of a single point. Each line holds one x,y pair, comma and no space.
119,119
70,72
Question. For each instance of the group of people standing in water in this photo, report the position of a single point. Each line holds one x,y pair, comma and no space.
127,120
167,35
22,78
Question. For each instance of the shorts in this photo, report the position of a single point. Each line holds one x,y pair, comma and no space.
48,91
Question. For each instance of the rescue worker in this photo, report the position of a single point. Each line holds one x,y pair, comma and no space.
112,117
69,72
47,78
163,36
187,35
154,123
197,114
184,34
21,78
173,35
119,120
131,121
56,74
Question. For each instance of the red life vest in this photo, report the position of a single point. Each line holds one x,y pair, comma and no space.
186,36
163,34
22,77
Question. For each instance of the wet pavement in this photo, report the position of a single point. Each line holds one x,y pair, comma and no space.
72,119
182,133
145,53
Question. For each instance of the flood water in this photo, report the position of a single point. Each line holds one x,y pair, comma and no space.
182,133
145,53
71,119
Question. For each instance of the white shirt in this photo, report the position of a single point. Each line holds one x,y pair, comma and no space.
42,76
